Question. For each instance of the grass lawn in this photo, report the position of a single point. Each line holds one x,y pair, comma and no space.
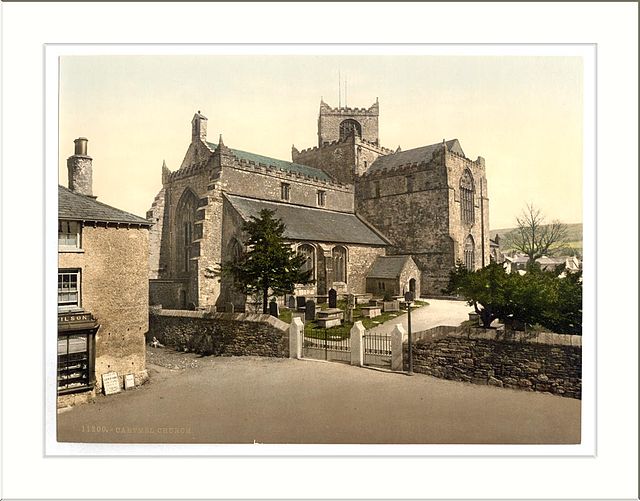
343,331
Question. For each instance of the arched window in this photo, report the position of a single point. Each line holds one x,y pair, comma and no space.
339,255
309,252
469,254
349,126
466,197
185,217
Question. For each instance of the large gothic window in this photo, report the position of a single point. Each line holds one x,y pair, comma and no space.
349,126
309,252
469,254
466,197
339,255
185,218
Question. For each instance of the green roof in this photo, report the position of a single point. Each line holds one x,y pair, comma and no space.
305,170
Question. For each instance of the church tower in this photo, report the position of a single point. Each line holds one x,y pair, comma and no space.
337,124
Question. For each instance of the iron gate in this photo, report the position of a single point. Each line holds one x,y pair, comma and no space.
377,350
327,344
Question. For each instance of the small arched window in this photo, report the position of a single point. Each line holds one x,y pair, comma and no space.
348,127
339,255
185,218
309,252
469,253
466,197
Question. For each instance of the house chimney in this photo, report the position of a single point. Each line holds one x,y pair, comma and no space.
80,170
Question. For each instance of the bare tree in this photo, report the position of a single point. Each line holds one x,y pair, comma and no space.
534,237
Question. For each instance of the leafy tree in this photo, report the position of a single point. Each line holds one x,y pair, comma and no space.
270,265
536,297
533,236
486,289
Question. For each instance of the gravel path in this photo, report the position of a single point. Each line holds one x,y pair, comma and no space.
437,312
192,399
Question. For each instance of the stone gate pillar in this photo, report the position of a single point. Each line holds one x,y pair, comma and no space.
398,337
357,344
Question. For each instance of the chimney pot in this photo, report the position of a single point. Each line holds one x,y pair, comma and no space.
81,146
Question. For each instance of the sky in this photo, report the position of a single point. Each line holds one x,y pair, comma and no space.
522,114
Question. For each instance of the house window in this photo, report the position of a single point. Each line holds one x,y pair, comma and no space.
381,286
339,255
322,198
376,189
285,191
68,290
466,197
409,184
68,235
469,254
309,252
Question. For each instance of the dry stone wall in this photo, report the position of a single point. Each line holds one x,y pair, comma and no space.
220,334
542,362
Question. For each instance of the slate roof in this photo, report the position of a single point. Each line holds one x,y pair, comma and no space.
76,207
416,155
279,164
311,224
388,266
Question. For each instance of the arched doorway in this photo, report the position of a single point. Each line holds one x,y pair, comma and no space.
412,286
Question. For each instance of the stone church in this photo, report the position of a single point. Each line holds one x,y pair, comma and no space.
347,203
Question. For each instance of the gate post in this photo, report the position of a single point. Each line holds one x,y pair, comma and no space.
296,330
357,348
398,337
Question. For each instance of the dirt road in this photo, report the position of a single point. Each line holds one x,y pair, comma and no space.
247,399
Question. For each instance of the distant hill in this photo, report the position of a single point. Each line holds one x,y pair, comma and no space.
574,237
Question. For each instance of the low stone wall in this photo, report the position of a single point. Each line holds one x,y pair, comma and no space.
542,362
222,334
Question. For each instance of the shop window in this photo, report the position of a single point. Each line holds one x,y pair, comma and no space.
74,362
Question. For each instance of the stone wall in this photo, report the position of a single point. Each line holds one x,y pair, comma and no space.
220,334
542,362
330,119
114,288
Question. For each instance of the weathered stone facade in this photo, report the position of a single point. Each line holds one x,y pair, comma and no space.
103,288
417,207
430,203
115,289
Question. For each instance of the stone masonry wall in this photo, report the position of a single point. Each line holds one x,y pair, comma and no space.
330,119
544,362
114,288
221,334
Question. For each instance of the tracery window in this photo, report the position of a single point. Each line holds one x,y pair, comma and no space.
309,252
469,253
185,218
339,255
466,197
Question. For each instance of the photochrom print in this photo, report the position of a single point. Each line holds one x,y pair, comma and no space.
320,248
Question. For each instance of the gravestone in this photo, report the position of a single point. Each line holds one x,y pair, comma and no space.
273,309
310,310
333,298
129,381
351,301
110,383
301,302
291,302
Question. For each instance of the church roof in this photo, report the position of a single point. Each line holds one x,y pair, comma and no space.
309,223
388,266
416,155
76,207
284,165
